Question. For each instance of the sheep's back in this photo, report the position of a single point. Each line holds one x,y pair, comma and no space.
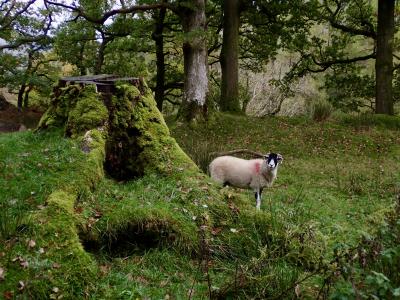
232,170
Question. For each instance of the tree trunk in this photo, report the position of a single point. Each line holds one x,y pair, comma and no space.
229,57
384,58
81,66
100,55
195,62
20,99
137,138
160,59
26,96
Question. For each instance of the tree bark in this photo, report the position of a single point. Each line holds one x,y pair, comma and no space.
26,96
229,57
20,99
80,65
100,54
384,58
195,62
160,59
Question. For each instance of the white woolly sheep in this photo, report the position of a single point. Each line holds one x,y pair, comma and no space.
254,173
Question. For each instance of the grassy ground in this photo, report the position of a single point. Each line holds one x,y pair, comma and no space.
341,174
163,237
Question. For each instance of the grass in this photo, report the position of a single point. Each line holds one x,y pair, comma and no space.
163,237
33,165
344,174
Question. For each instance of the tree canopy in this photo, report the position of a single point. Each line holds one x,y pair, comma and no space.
348,46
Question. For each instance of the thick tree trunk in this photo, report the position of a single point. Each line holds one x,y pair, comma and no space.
229,57
160,59
384,57
195,62
137,139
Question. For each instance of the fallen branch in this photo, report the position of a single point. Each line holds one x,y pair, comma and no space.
246,151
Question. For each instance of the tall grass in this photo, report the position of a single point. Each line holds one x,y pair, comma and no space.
321,110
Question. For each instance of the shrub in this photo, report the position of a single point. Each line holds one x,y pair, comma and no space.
321,110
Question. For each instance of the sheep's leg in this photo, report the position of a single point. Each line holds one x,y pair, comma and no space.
258,199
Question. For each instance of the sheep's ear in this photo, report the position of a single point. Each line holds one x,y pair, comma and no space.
280,157
266,156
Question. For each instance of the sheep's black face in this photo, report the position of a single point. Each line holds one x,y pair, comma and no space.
273,160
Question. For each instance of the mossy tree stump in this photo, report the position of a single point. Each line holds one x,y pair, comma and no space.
137,140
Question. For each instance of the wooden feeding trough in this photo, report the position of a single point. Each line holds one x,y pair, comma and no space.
105,83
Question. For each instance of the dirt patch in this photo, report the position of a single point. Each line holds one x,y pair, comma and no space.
13,120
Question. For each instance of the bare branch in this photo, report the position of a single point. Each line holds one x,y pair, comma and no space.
80,12
326,64
370,32
5,22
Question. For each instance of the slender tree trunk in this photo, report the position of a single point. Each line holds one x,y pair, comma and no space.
229,57
384,57
81,66
26,96
160,59
20,99
100,54
195,62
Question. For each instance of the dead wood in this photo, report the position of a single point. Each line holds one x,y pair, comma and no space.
238,151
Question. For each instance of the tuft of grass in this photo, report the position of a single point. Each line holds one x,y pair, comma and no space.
321,110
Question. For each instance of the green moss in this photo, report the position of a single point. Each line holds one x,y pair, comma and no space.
75,107
140,141
89,112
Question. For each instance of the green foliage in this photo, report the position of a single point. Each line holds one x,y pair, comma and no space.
75,44
349,90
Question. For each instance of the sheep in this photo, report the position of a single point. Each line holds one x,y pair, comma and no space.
254,173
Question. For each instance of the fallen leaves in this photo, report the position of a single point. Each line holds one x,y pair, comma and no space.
22,262
8,295
216,231
56,265
31,243
56,293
